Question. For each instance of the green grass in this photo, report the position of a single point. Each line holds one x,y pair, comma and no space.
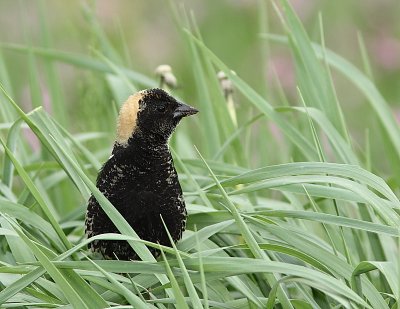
306,218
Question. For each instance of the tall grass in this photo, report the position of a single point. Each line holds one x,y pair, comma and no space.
318,230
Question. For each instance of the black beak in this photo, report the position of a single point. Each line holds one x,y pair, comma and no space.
184,110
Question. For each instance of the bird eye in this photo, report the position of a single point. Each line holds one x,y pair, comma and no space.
161,108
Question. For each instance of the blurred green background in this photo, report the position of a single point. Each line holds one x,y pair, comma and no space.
144,34
140,35
80,60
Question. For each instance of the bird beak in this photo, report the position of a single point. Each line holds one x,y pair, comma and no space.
184,110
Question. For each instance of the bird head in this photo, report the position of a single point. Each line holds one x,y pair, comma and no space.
151,112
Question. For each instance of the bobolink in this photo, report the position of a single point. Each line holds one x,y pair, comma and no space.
139,178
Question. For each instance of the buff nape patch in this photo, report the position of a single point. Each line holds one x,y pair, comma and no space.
128,117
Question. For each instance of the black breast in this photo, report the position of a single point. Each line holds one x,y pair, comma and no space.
142,187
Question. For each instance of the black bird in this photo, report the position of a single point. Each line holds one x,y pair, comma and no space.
139,178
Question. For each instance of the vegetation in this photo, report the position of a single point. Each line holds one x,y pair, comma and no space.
292,205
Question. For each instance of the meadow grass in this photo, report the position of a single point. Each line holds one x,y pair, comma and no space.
318,230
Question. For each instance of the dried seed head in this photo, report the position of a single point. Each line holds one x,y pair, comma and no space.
227,88
164,71
226,84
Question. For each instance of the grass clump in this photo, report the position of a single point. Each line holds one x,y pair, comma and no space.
286,209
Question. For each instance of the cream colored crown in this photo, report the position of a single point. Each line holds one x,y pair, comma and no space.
128,117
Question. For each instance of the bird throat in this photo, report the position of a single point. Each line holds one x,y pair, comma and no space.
144,145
